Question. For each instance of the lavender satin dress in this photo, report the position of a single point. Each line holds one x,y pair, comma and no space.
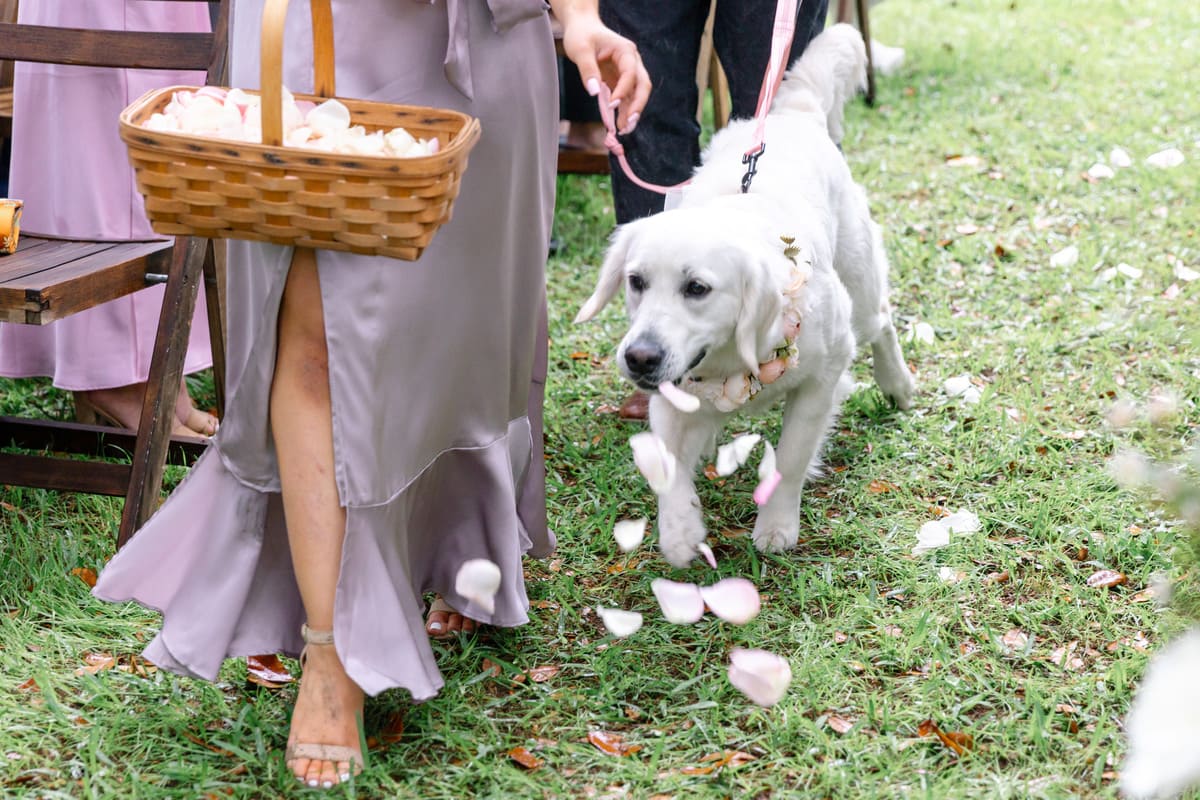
70,167
436,370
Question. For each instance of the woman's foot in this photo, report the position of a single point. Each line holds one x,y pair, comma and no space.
192,418
121,407
443,622
326,717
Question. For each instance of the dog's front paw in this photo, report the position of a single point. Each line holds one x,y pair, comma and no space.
897,384
776,533
680,530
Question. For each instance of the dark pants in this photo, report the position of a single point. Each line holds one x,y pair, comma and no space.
664,148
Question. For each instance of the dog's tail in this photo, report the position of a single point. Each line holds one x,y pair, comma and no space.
832,69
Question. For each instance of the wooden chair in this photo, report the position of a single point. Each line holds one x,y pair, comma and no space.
50,278
8,13
864,26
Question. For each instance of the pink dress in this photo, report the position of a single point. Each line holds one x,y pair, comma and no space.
71,169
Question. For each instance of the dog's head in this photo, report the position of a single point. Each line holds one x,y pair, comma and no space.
699,292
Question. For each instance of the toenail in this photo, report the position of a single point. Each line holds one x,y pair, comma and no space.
435,626
345,776
327,784
314,783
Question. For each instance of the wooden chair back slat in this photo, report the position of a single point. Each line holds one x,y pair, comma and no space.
91,48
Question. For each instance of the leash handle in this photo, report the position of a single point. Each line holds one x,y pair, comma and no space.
617,149
781,43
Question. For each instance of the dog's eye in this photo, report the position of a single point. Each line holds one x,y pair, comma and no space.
636,283
696,289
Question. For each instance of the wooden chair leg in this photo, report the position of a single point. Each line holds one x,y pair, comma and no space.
162,387
864,25
213,290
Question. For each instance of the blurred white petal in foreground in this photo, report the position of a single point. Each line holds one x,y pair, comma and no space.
1163,725
629,533
478,580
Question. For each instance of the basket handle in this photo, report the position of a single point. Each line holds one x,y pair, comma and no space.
271,87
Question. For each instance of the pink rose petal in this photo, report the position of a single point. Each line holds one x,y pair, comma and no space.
761,676
766,488
681,603
687,403
734,600
708,554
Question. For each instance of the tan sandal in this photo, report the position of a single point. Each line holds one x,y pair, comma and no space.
333,753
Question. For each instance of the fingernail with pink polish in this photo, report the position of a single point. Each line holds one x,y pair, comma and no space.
593,86
632,122
616,101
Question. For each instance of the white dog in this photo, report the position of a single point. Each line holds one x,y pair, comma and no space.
747,299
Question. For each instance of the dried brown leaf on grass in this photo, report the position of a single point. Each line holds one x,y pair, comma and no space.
1106,579
716,761
543,674
88,576
960,743
525,758
839,724
267,671
612,743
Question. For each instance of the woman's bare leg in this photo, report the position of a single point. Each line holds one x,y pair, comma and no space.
329,704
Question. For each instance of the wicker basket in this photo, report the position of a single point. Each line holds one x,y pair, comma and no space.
372,205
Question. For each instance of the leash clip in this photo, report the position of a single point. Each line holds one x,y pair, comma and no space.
750,157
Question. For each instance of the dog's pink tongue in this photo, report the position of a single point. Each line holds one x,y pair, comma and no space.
687,403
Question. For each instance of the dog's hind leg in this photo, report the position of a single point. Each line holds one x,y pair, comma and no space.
687,436
887,361
807,419
887,364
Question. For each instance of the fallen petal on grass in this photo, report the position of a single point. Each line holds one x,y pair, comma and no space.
921,332
681,603
1100,171
734,600
478,580
653,459
1119,158
763,677
1166,159
1067,257
930,537
620,623
629,533
962,521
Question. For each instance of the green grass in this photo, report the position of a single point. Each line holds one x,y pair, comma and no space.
1037,92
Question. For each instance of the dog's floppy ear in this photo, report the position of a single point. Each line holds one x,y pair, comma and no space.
761,306
611,274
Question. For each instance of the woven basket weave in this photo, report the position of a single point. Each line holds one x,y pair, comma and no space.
372,205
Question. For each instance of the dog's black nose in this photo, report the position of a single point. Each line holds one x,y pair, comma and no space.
643,357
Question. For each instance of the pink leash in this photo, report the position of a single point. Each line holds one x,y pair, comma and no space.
781,43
